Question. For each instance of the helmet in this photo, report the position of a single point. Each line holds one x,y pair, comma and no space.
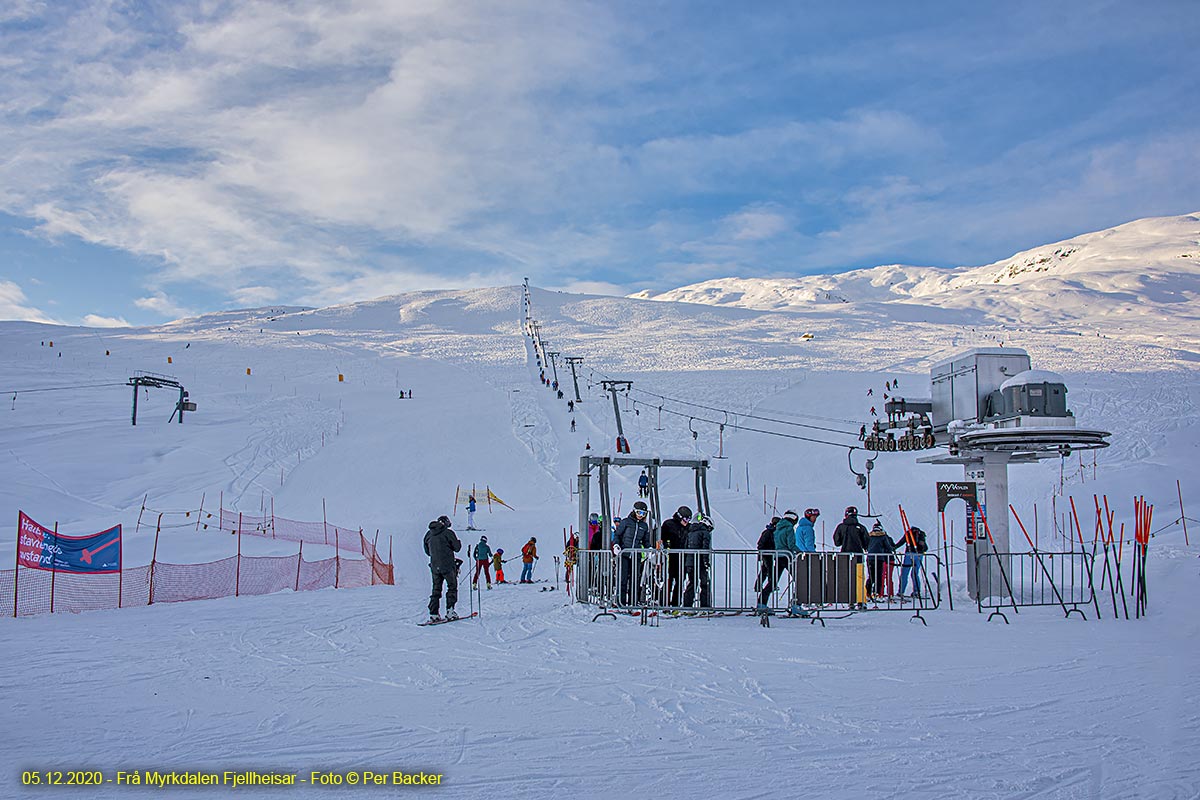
533,539
851,511
791,516
683,512
499,551
812,512
877,526
594,517
483,538
445,521
640,506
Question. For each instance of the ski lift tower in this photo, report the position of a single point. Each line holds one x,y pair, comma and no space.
993,410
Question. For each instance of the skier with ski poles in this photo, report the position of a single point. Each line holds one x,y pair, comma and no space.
471,516
498,564
631,533
483,561
441,544
528,556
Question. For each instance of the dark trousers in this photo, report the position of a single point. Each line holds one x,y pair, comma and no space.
486,566
435,599
696,574
880,566
769,576
625,567
674,577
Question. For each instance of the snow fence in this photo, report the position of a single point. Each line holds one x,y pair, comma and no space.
29,591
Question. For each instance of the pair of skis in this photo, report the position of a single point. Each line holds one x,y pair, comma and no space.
444,620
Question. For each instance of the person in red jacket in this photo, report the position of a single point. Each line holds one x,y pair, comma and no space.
528,556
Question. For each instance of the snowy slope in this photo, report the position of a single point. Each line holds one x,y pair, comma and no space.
1138,280
533,699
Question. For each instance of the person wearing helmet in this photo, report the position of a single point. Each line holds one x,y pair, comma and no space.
850,535
595,533
880,546
766,571
674,537
528,556
441,544
483,561
696,565
471,512
632,532
806,534
498,564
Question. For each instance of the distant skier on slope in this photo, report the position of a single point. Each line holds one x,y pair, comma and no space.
643,485
471,513
441,544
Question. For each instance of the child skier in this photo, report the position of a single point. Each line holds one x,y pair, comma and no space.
498,565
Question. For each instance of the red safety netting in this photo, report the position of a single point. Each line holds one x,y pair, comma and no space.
26,592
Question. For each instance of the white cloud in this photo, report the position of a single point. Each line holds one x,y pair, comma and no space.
756,223
97,321
15,306
255,295
160,303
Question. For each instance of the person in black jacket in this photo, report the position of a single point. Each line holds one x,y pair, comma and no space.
441,544
880,546
767,569
632,532
674,537
850,535
696,565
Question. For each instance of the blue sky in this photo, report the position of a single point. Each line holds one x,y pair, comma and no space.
161,159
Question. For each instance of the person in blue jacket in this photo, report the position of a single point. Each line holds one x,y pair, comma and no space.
806,535
471,513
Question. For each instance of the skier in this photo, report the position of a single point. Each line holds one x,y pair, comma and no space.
643,485
785,540
483,561
632,532
570,557
471,513
696,565
674,537
851,537
914,554
874,413
571,406
766,558
440,545
572,424
528,554
806,534
595,540
498,564
862,433
880,546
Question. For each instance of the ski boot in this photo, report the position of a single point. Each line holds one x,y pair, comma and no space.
451,614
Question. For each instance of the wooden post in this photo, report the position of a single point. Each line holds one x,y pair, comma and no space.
325,522
299,560
200,514
237,575
139,520
374,555
337,559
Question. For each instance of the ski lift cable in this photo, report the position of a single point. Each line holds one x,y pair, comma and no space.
692,417
751,416
61,388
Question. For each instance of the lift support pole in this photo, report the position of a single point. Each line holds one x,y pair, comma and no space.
573,360
611,387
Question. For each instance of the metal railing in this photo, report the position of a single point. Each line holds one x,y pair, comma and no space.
751,581
1018,580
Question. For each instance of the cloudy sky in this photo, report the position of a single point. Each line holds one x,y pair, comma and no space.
165,158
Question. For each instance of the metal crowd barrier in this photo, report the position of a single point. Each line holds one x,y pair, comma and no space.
1017,580
742,581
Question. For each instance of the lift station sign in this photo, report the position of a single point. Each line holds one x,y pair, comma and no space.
968,492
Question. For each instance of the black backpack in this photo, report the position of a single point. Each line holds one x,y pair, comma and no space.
766,539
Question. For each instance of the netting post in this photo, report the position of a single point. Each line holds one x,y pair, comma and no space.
53,571
325,522
299,559
337,559
457,489
200,513
143,510
121,569
17,569
272,516
221,510
374,553
362,542
153,559
237,575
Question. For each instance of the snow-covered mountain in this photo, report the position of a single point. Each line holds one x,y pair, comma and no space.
1141,278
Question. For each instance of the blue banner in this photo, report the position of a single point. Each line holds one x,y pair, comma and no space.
39,547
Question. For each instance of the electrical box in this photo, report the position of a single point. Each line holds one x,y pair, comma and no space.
961,384
188,405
